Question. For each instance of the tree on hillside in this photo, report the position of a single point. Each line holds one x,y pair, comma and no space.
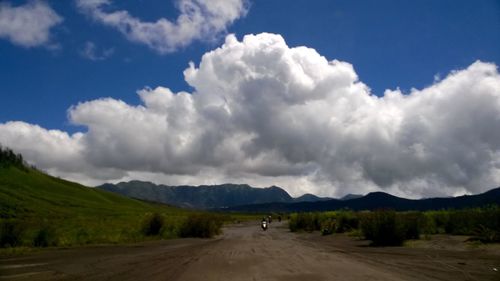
9,158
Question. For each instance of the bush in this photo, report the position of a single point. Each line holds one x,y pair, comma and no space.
346,221
412,224
483,224
11,233
328,226
428,224
440,219
460,222
486,235
82,237
152,224
304,221
201,225
383,228
388,228
45,237
469,221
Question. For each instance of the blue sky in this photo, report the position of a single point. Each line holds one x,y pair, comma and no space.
390,44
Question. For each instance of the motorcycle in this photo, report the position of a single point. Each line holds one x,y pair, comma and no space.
263,224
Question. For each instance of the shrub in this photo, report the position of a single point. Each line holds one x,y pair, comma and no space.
201,225
346,221
429,224
486,235
152,224
304,221
328,226
470,221
412,224
440,220
483,224
82,237
11,233
45,237
459,222
384,228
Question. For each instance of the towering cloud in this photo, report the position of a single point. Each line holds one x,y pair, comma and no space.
198,19
27,25
264,113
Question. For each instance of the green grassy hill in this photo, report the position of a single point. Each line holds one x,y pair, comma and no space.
24,193
71,214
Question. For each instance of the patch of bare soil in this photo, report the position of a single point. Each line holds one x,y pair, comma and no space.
436,257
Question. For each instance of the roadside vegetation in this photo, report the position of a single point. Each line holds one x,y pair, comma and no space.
390,228
38,210
202,225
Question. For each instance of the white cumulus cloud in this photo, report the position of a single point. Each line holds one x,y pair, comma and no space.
28,25
198,20
265,113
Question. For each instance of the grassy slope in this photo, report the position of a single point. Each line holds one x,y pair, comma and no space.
34,193
79,214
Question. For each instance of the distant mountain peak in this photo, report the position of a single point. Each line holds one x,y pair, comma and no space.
308,197
380,195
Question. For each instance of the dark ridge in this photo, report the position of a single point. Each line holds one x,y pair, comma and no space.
380,200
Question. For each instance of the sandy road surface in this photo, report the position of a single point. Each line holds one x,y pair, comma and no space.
245,252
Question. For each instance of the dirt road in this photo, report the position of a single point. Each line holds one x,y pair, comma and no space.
245,252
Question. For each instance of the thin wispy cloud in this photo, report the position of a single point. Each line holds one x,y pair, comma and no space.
198,20
265,113
91,52
28,25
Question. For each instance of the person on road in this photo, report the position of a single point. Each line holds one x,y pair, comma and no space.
263,224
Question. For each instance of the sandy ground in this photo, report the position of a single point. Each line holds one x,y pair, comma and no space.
245,252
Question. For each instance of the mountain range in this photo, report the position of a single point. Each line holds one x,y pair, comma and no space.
242,197
379,200
205,196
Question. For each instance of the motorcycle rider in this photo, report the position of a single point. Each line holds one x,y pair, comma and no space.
263,224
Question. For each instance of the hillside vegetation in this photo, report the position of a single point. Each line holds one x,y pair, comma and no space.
40,210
